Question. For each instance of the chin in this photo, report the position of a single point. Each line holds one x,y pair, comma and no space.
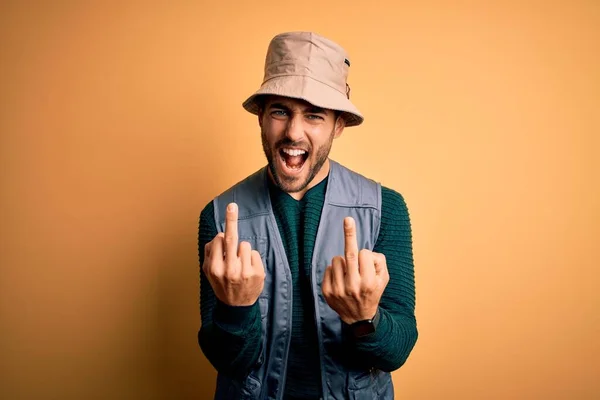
292,185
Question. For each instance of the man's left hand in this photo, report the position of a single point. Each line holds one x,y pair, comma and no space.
353,283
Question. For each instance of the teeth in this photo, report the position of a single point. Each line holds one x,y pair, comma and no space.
294,152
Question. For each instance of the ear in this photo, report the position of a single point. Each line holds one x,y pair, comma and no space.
340,124
262,103
261,112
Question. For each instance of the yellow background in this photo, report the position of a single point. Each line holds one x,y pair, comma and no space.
119,122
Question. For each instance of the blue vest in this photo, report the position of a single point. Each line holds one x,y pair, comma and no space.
348,194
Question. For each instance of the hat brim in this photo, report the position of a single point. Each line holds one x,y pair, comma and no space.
310,90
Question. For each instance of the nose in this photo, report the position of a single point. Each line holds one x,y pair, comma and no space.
295,128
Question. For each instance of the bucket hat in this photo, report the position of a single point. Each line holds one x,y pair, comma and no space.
307,66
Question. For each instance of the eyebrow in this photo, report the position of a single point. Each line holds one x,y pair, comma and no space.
280,106
315,110
309,110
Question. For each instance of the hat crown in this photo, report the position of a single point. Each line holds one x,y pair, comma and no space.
307,54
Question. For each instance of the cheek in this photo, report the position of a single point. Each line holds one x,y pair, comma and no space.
267,134
273,129
319,138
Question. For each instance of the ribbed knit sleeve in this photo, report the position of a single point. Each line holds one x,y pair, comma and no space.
390,345
230,337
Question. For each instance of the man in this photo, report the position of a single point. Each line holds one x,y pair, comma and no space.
307,282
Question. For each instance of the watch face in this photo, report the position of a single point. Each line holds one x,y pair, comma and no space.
363,328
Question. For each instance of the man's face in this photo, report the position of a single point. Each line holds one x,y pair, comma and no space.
296,138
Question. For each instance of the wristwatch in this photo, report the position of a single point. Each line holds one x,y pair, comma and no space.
364,327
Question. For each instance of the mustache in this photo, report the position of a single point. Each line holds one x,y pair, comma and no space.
290,143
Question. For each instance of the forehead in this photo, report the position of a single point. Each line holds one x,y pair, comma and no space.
290,103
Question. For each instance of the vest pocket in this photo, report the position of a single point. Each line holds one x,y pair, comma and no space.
385,386
251,389
227,388
363,385
258,243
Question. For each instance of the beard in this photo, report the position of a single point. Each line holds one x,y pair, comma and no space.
316,158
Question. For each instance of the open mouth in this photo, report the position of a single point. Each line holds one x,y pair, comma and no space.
293,159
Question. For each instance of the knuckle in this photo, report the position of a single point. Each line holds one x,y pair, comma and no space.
230,275
382,283
352,292
367,288
227,276
384,270
351,255
215,273
335,292
261,273
246,275
206,267
256,254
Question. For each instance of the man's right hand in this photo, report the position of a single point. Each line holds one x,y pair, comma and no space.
235,272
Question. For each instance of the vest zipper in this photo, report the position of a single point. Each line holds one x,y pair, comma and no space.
319,334
315,294
288,275
288,334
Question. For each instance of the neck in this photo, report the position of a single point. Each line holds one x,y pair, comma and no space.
318,178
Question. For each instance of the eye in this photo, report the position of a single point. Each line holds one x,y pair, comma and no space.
279,113
314,117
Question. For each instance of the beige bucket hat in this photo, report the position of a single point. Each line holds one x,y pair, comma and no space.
305,65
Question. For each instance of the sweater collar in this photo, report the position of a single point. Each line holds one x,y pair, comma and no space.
315,193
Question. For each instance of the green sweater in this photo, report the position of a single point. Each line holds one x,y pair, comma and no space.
230,336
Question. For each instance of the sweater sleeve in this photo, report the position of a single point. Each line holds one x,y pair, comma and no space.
390,345
229,336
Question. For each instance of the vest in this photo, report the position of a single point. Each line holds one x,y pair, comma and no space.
347,194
